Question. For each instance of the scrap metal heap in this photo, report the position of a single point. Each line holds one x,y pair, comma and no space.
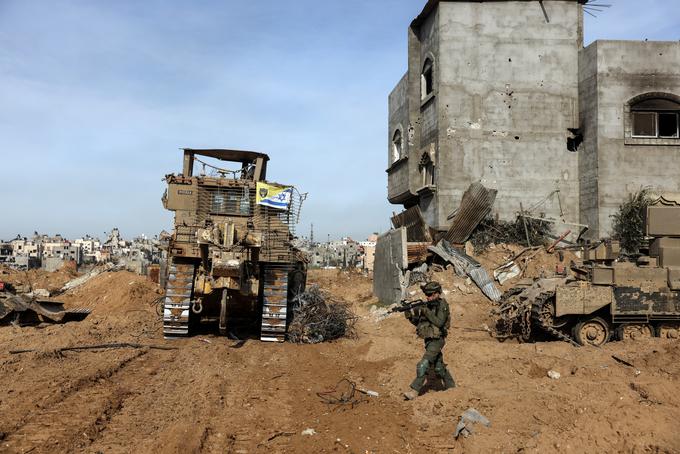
604,297
27,309
231,260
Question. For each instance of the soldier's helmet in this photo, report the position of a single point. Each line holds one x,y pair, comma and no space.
431,288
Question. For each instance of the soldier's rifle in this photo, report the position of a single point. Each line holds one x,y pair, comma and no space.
405,306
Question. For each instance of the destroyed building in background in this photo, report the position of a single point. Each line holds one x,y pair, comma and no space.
345,253
52,252
505,94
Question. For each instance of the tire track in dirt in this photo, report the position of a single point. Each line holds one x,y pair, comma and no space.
74,418
208,398
59,377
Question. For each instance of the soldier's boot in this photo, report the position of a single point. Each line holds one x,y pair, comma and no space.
410,394
419,381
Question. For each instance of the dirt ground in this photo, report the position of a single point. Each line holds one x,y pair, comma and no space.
211,394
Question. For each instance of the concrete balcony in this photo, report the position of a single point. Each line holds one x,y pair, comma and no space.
398,190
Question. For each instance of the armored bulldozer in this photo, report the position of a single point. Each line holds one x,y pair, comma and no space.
604,297
231,260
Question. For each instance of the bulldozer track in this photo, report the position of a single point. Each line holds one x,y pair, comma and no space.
178,299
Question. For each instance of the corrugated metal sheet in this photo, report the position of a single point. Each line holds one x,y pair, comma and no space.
417,230
417,252
475,205
484,282
463,262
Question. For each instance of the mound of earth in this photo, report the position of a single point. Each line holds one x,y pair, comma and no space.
113,293
38,278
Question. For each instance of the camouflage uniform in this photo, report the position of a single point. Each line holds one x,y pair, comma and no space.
432,322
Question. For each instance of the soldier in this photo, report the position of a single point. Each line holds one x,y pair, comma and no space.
432,322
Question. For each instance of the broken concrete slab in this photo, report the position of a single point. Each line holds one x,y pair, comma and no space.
77,282
470,417
391,261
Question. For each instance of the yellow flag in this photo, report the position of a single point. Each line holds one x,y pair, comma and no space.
273,196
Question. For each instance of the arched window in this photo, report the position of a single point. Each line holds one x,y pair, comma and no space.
426,167
396,146
656,117
426,79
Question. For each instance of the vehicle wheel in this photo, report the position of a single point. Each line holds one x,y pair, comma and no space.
594,331
668,331
632,331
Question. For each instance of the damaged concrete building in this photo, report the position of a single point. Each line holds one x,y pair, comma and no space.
505,94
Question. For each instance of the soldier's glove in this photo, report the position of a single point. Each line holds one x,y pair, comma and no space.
416,312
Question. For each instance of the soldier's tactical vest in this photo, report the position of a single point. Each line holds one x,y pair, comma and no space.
427,330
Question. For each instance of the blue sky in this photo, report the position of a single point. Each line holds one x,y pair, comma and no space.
98,96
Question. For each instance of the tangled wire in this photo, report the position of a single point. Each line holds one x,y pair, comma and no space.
318,318
344,393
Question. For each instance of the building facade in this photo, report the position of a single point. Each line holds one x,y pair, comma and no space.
504,93
630,116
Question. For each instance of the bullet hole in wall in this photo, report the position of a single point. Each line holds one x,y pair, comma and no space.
516,137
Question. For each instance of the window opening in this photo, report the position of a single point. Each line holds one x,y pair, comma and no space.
656,118
427,170
426,79
668,125
644,124
396,146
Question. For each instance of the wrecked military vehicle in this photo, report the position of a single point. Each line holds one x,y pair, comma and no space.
604,297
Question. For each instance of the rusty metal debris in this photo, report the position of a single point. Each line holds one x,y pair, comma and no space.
317,318
417,231
24,310
475,205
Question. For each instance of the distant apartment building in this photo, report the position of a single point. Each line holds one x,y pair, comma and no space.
63,250
5,252
29,248
90,249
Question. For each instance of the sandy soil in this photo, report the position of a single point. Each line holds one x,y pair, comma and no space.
213,394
